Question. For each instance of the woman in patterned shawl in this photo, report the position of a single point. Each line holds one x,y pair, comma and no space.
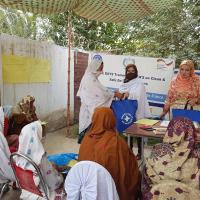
22,114
14,118
184,87
173,169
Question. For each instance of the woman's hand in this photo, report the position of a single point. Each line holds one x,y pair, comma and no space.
126,95
193,102
162,115
118,95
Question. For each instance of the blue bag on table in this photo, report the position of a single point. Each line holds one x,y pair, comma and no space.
193,115
125,113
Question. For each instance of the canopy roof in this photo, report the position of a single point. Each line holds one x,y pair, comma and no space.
118,11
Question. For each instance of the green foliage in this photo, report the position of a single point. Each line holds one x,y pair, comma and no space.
174,32
17,23
89,35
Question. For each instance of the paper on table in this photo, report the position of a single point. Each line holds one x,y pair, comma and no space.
144,121
164,123
160,128
160,131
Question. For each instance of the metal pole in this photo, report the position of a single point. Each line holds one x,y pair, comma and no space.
69,29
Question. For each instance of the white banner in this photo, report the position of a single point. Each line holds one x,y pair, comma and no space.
156,73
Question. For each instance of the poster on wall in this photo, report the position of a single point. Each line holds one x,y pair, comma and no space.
24,69
156,73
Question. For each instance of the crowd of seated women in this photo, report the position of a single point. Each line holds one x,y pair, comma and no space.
171,172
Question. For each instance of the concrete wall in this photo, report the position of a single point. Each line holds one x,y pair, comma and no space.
49,96
80,64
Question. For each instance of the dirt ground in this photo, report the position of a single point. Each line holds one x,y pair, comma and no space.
58,142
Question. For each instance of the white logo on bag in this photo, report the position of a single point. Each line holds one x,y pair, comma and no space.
127,118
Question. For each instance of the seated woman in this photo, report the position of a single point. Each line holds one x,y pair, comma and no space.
88,180
22,114
14,118
173,169
30,145
103,145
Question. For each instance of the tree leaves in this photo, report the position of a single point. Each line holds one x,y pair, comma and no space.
173,32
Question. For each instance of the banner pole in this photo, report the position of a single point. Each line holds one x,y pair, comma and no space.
69,29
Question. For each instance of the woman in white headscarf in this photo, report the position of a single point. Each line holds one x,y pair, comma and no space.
6,173
88,180
133,88
92,94
30,145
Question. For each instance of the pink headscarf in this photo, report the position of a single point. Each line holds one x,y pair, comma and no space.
183,84
183,88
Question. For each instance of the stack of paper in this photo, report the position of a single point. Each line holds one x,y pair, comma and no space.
149,122
160,131
164,123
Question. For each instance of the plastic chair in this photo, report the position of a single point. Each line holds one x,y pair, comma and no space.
4,188
25,177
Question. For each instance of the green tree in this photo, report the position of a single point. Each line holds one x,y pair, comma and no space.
89,35
27,25
15,22
173,32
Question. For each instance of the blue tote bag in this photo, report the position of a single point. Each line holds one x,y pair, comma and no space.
193,115
125,113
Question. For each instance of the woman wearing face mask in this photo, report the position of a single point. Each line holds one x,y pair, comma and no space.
92,94
133,88
185,87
